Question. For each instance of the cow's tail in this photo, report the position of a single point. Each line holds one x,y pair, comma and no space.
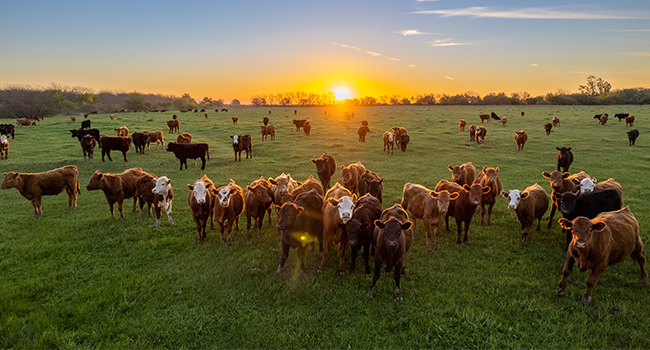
78,188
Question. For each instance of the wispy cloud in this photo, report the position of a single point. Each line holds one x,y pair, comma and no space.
450,78
407,32
371,53
411,66
538,13
446,42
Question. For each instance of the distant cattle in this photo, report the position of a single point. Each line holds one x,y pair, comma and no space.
196,111
116,188
522,114
597,116
85,124
257,201
389,142
404,140
184,137
173,126
202,109
201,202
33,186
6,129
206,115
73,119
295,112
528,205
560,183
25,121
547,128
228,207
480,134
556,121
351,175
4,147
122,131
494,116
463,174
242,143
269,111
193,151
224,109
520,138
266,131
429,206
325,168
603,119
472,132
80,133
607,239
371,183
359,229
398,131
393,237
88,146
461,124
307,128
235,119
489,178
117,143
156,191
363,122
504,121
338,205
629,121
112,117
621,116
362,131
299,123
464,207
564,158
154,136
484,117
632,135
139,141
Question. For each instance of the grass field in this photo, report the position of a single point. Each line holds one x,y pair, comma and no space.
78,279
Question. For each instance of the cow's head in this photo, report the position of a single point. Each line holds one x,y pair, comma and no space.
162,186
456,173
283,184
321,164
443,197
587,185
345,206
582,230
391,137
491,174
347,177
200,190
261,194
374,187
171,146
235,139
392,230
355,229
287,215
563,150
10,180
556,178
223,195
3,139
476,193
96,181
75,133
514,198
568,202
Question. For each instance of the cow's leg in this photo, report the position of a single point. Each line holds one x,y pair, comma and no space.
447,222
525,230
566,271
491,205
341,253
283,256
197,223
120,207
258,223
158,215
427,230
111,208
301,258
185,161
353,257
103,153
466,239
248,225
270,219
639,255
135,202
459,229
436,235
202,162
141,208
366,257
36,203
229,238
397,274
124,154
376,276
595,276
550,216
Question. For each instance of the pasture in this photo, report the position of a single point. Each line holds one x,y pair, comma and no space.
78,279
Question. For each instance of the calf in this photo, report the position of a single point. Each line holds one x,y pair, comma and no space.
235,119
201,202
6,129
116,188
242,143
192,151
528,205
118,143
556,121
281,188
206,115
4,147
489,178
173,125
398,131
461,124
464,207
520,138
362,131
351,175
299,123
404,140
392,238
484,117
504,121
632,135
463,174
72,120
307,128
429,206
472,132
122,131
184,137
603,119
371,183
88,146
337,211
154,136
608,239
265,120
389,142
257,201
363,122
325,168
548,127
560,183
85,124
300,222
629,121
50,183
480,134
80,133
494,116
140,140
266,131
25,121
228,207
620,116
564,158
359,228
158,192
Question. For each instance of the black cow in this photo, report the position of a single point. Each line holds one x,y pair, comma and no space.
182,151
564,158
621,116
494,116
632,135
140,140
360,227
404,141
371,183
588,204
6,129
85,124
79,133
118,143
88,146
597,116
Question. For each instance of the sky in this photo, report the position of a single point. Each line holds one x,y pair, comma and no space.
237,49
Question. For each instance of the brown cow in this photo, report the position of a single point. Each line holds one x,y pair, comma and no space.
122,131
158,192
389,142
306,127
235,120
360,227
305,186
548,127
463,174
88,146
201,202
371,183
520,138
489,178
337,210
461,124
464,207
398,131
429,206
25,121
116,188
362,131
392,237
50,183
118,143
257,201
182,151
173,125
73,119
560,183
363,122
281,187
609,238
299,123
472,132
504,120
206,115
480,134
112,117
629,121
485,117
4,147
184,138
325,168
266,131
242,143
528,205
351,175
556,121
154,136
603,119
228,207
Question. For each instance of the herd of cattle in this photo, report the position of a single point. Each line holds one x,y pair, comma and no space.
599,230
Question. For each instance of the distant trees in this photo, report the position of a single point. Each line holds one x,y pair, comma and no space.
595,86
235,102
135,101
24,101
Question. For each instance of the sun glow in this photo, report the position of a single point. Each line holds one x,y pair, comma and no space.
342,93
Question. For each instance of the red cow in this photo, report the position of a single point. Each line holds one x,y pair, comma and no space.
257,201
489,178
325,168
429,206
529,205
520,138
228,207
464,207
201,202
351,175
158,192
116,188
463,174
338,205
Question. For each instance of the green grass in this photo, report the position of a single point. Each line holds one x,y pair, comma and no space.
78,279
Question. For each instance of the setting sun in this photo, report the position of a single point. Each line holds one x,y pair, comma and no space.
342,93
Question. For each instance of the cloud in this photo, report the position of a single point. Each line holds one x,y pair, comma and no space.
407,32
450,78
373,54
534,64
537,13
446,42
411,66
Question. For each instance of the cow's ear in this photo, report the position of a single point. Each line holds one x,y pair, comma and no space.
379,224
454,196
557,148
342,166
299,183
313,160
333,202
190,187
272,181
433,194
568,149
594,180
466,187
354,198
300,209
487,189
249,188
599,226
525,195
100,176
497,170
231,136
505,194
546,174
406,225
213,191
450,168
233,190
566,174
566,224
381,180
